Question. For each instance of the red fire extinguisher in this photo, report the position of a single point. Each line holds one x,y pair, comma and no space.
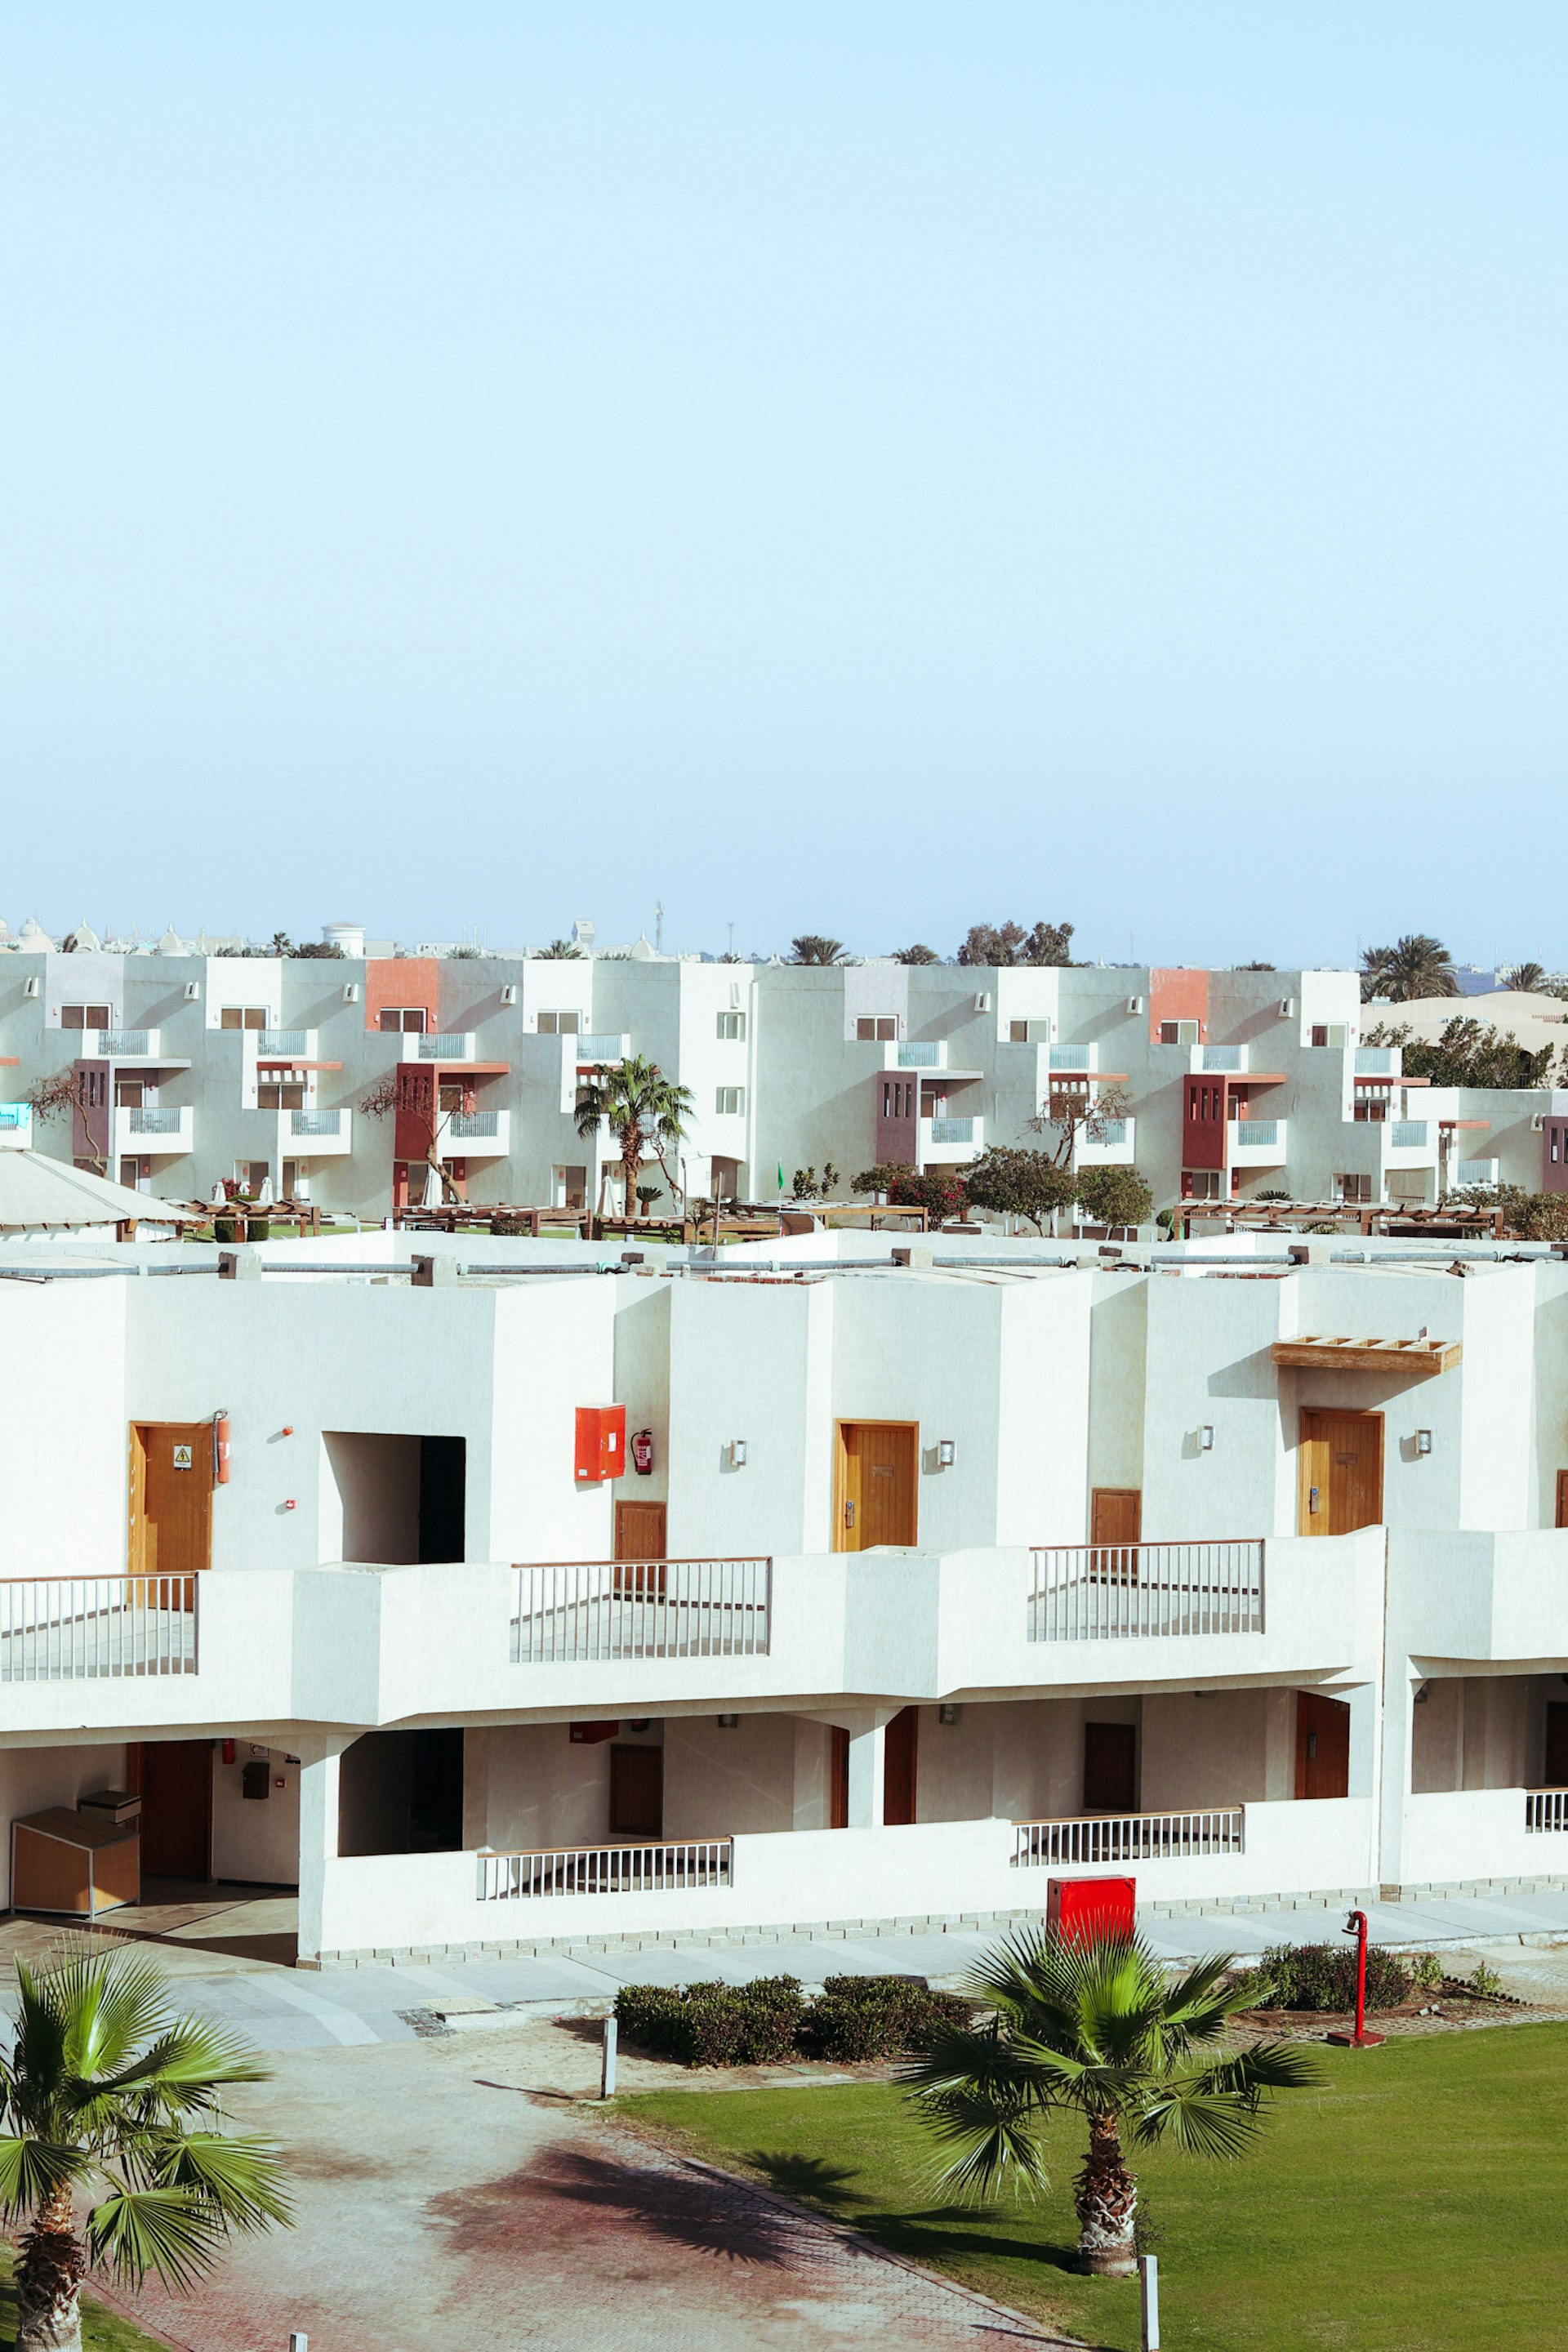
642,1453
220,1448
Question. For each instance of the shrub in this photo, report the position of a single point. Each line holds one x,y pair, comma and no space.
647,2014
226,1229
714,2024
1323,1976
508,1228
877,2017
259,1229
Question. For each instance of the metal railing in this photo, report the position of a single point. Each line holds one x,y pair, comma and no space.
445,1045
952,1130
283,1041
474,1123
145,1120
1114,1838
602,1045
606,1869
1407,1134
1118,1592
126,1044
1546,1809
79,1628
572,1611
926,1056
315,1122
1257,1131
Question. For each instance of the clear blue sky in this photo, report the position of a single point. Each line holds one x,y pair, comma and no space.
855,467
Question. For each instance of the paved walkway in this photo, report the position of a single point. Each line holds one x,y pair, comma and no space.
448,2204
232,1952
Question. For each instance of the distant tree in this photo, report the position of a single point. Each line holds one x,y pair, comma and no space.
645,1112
938,1191
1114,1196
283,945
1076,1115
647,1195
916,955
1468,1053
392,1096
1526,976
559,952
1416,965
809,1186
812,948
1011,1182
57,1098
315,951
1255,967
1528,1216
1009,943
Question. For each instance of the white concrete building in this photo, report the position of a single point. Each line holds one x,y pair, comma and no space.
914,1585
194,1069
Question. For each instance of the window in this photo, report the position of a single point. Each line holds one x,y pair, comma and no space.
243,1016
1329,1032
1370,1108
86,1016
411,1017
568,1188
1555,1133
876,1025
1203,1184
728,1099
1178,1033
560,1024
129,1094
733,1025
1355,1189
279,1094
1407,1184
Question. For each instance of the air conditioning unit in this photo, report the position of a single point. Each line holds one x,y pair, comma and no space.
1135,1005
29,988
193,991
509,995
351,993
1286,1008
982,1001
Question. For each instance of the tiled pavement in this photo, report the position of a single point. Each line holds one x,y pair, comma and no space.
230,1950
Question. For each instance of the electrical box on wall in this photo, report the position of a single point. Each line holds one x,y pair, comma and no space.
256,1780
601,1442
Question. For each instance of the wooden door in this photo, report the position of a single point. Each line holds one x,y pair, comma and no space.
1563,1499
901,1743
1341,1472
877,1469
1556,1744
171,1499
174,1779
637,1792
639,1538
1110,1768
1322,1746
838,1777
1115,1525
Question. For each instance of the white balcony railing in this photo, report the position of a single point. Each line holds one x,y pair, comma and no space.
1407,1134
77,1629
120,1044
1074,1057
470,1126
270,1043
1379,1061
1103,1840
437,1046
1546,1809
1118,1592
606,1869
303,1123
1255,1133
572,1611
923,1054
600,1047
1475,1171
1220,1057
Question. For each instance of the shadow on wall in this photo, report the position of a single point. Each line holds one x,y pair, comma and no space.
398,1501
401,1792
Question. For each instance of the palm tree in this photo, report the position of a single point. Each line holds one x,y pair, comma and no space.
559,952
918,954
1527,976
1096,2026
645,1110
812,948
105,2087
1416,965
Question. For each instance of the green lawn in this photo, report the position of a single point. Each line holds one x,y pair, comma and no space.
101,2330
1416,2202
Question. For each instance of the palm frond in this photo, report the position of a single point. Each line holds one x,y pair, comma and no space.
241,2179
31,2169
188,2064
1269,2066
994,2145
1200,2119
175,2233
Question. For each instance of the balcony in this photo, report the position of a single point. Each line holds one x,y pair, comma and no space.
921,1054
1408,1142
598,1049
1221,1058
1257,1142
1475,1171
80,1629
152,1130
574,1610
436,1046
15,1126
121,1044
1379,1061
284,1044
1113,1146
1073,1057
475,1135
314,1134
1121,1592
944,1142
1115,1840
1469,1833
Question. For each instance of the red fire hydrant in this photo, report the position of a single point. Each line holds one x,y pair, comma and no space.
1360,2039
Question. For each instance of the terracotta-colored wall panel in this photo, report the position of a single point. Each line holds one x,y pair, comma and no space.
1178,996
401,979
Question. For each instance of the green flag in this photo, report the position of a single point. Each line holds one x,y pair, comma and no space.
781,1175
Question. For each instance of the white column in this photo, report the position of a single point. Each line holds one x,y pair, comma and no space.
318,1838
868,1758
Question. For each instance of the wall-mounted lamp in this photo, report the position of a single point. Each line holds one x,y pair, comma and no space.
947,1713
1205,1438
728,1722
1423,1440
737,1454
640,1723
946,1453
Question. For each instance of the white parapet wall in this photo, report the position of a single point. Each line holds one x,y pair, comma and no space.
1468,1833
